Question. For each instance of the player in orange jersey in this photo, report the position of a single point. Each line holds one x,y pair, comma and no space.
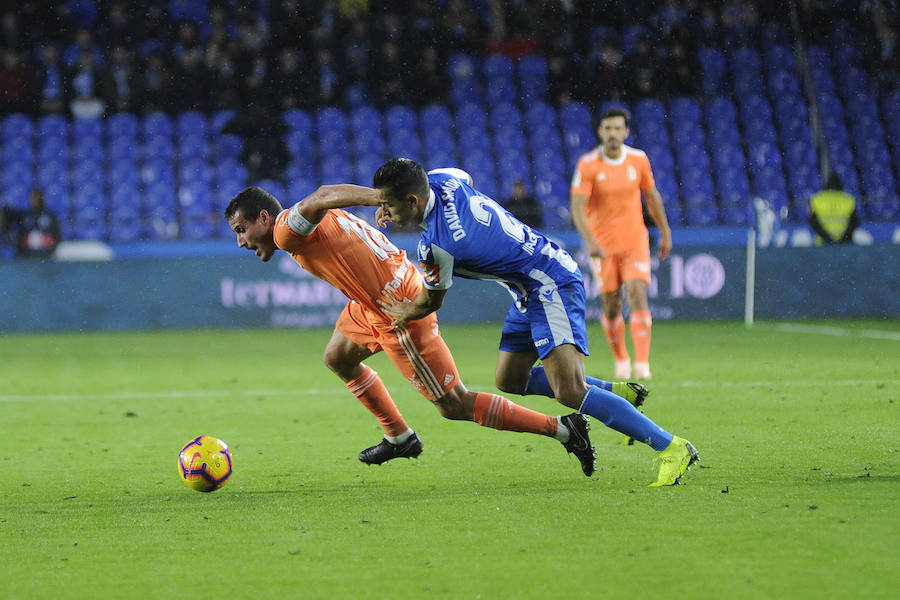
361,262
606,208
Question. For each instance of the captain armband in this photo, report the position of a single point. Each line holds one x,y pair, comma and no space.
298,223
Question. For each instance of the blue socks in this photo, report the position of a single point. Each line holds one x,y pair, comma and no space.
538,385
614,411
617,413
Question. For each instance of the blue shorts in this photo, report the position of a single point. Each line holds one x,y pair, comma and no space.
553,316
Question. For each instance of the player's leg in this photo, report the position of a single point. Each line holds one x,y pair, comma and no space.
641,324
350,344
606,273
516,372
423,357
636,274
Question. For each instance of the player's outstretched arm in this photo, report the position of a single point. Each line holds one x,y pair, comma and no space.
403,311
314,206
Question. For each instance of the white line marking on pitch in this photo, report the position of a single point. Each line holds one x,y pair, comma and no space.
174,394
838,331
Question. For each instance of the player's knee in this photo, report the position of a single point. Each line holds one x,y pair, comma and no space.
571,393
510,384
451,408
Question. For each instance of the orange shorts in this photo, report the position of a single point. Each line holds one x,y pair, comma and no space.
614,270
416,349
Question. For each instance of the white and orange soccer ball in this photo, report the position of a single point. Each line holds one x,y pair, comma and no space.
205,463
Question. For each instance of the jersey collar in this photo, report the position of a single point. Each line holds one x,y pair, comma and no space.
429,206
617,161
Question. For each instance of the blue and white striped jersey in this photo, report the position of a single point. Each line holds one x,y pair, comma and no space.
470,235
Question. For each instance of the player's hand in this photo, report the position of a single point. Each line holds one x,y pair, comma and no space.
396,309
380,219
596,251
665,246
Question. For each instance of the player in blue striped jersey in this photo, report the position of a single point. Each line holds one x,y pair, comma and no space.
466,234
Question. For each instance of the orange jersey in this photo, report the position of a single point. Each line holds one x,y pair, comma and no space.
614,191
352,256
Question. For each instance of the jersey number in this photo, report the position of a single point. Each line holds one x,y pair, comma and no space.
371,237
482,208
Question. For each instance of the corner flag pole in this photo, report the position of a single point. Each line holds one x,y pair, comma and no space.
750,285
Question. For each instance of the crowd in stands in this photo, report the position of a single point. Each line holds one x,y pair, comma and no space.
90,57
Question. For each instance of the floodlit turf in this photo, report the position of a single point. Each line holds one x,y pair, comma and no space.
796,495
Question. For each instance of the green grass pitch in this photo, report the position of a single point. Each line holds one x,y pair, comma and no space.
796,495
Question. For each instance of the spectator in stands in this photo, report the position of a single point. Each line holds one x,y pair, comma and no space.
330,88
560,88
605,72
524,206
157,85
290,80
85,83
117,27
120,81
390,70
642,67
430,83
832,213
14,83
679,70
50,81
265,154
12,33
34,232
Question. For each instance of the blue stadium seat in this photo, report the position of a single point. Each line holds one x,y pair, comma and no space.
229,146
122,125
192,146
156,124
125,205
53,126
17,125
126,231
713,71
159,147
495,66
156,171
123,147
332,120
192,123
195,199
365,119
399,117
196,228
220,118
272,186
436,115
195,170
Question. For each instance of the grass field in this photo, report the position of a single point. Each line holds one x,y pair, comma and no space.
796,495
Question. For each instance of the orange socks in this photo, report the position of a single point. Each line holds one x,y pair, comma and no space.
371,391
615,335
497,412
641,323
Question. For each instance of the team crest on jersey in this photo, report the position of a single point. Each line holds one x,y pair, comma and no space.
423,252
632,173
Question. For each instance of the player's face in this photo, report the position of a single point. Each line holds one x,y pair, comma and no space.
612,133
255,235
402,212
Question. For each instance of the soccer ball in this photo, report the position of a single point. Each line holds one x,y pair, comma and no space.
205,463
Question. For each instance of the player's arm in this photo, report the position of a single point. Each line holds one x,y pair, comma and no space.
425,303
314,206
578,208
658,214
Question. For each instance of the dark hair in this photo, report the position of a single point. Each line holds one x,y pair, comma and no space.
615,111
251,202
834,182
401,177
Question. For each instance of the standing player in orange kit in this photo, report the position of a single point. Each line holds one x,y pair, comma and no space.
606,209
361,262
